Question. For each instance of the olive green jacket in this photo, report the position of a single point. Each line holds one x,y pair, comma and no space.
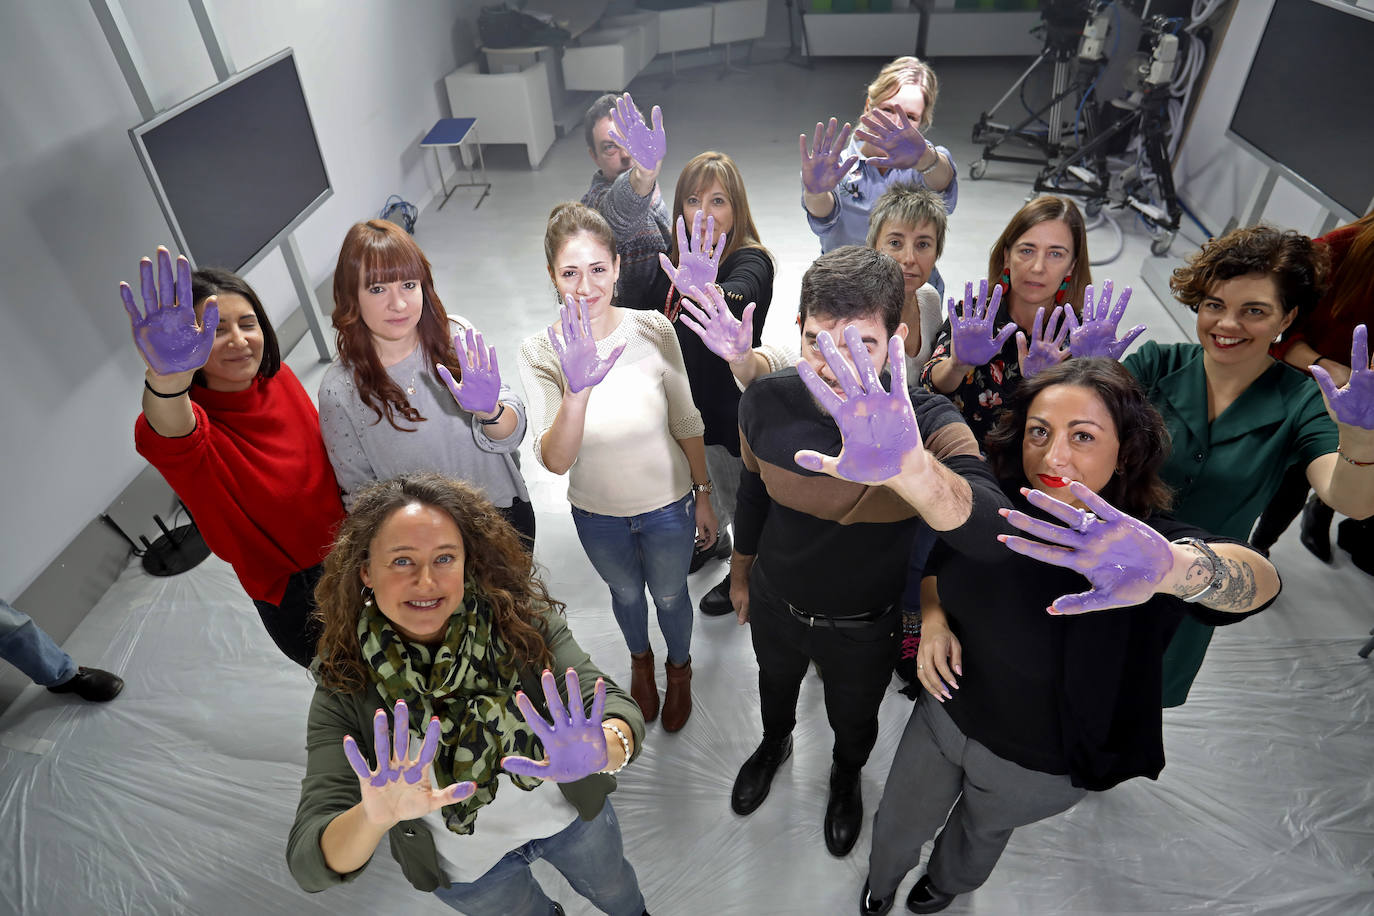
330,786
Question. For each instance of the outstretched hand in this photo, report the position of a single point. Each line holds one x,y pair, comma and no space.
1046,347
646,146
708,316
480,387
1123,558
899,139
971,337
821,165
879,431
577,350
697,263
1096,336
166,332
574,741
1352,405
399,789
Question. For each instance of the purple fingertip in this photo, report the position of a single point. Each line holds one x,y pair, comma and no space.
808,460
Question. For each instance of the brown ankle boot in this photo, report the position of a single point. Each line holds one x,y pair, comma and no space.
677,704
642,686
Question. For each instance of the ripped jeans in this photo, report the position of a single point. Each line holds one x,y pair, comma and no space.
652,549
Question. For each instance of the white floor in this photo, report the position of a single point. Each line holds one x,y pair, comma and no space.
177,797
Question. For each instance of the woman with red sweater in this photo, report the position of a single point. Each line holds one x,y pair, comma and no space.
228,425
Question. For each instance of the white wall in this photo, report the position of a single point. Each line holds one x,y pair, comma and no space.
78,213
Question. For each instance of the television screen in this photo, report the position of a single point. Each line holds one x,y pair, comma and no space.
1307,105
237,166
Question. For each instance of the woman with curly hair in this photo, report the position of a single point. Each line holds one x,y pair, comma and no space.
430,610
1039,691
1240,419
414,388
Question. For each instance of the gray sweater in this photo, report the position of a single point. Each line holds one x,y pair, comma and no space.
363,448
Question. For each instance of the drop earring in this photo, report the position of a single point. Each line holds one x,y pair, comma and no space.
1062,293
366,594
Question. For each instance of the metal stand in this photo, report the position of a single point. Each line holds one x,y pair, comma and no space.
793,50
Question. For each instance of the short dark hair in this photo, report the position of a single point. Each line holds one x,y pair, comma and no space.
853,282
1136,487
1299,266
599,109
216,281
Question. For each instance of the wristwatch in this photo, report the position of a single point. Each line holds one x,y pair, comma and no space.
1211,557
706,487
930,168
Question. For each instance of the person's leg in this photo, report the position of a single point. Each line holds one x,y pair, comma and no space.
664,538
857,662
520,514
781,656
610,545
998,796
591,855
922,785
507,888
724,469
292,623
1283,507
27,647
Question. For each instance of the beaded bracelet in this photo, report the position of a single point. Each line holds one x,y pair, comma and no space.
624,744
1347,458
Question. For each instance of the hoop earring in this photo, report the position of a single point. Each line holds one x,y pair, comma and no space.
366,594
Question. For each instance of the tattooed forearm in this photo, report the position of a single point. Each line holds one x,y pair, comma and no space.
1237,592
1196,577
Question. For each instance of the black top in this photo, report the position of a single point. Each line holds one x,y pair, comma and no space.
745,276
832,547
1060,694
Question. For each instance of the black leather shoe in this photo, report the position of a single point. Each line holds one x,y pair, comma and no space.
870,905
756,775
720,550
844,813
716,602
1316,528
557,909
925,898
92,684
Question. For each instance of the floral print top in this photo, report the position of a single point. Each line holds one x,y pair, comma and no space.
982,393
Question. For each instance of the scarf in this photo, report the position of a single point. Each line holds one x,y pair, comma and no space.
469,681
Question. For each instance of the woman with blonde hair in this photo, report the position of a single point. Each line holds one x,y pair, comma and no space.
725,261
415,388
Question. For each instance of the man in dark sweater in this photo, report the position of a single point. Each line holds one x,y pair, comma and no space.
626,192
820,561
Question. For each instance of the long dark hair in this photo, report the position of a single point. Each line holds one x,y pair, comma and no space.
495,559
216,281
386,253
1136,487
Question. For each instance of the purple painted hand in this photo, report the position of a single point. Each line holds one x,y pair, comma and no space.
707,315
972,341
1352,405
696,265
1096,336
399,788
899,139
480,387
166,333
1124,559
878,427
821,165
574,742
1046,346
577,350
646,146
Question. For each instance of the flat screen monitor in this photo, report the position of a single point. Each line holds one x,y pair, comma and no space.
1307,107
238,166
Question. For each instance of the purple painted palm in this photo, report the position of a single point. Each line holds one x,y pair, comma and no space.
899,139
166,332
1352,405
971,326
480,387
1096,336
707,315
647,146
822,168
574,741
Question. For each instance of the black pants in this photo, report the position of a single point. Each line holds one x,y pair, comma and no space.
292,623
855,662
521,516
1285,505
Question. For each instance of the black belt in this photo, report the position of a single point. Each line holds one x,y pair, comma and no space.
854,620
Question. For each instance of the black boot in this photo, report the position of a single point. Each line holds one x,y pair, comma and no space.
870,905
844,813
756,775
1316,528
720,550
1357,539
927,898
716,602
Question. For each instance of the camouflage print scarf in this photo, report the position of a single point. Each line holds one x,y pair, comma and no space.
468,681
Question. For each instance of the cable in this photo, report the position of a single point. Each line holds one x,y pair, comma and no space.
1116,230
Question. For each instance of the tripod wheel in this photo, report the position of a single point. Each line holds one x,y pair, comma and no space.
1161,245
978,169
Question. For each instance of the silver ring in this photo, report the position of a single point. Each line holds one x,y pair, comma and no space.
1087,519
920,667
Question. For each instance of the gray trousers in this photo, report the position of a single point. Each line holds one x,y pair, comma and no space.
724,469
937,771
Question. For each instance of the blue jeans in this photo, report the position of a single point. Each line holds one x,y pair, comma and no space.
588,853
653,549
25,646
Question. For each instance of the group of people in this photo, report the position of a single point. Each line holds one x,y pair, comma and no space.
975,470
